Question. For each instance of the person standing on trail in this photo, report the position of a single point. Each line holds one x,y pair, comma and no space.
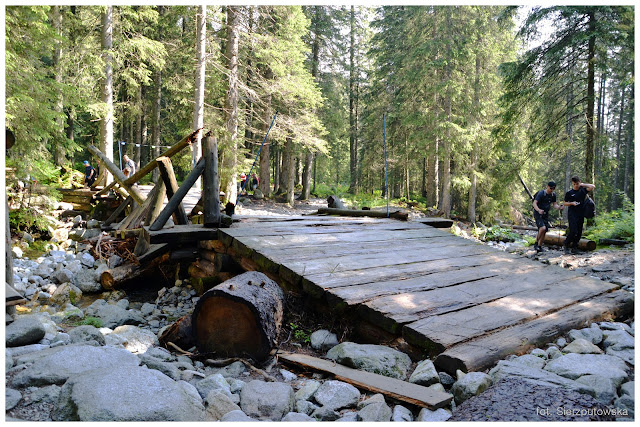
254,182
129,166
575,198
541,205
90,174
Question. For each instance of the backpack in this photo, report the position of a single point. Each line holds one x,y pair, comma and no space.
589,208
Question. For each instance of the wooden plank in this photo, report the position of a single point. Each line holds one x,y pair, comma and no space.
171,185
278,230
210,182
178,196
392,387
391,312
436,222
118,175
118,211
182,234
482,353
444,331
154,251
403,216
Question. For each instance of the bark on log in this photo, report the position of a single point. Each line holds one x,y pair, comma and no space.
358,213
180,333
335,202
171,184
239,317
115,277
584,244
613,242
210,182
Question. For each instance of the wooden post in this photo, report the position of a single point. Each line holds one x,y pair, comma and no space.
118,211
178,196
169,178
117,174
156,204
210,182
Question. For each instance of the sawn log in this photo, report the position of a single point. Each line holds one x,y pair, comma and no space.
115,277
374,214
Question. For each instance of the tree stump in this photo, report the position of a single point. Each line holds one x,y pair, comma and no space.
240,317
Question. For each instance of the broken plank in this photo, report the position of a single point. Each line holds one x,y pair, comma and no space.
182,234
482,353
444,331
392,387
155,250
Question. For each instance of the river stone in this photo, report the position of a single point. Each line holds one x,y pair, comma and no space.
376,398
590,334
400,413
336,395
87,260
24,330
582,346
628,388
57,365
61,234
87,281
553,353
265,400
27,349
618,340
614,326
219,404
233,370
604,388
506,369
236,415
8,359
16,251
323,340
378,411
112,315
288,375
446,379
167,368
574,365
470,385
138,340
147,309
327,414
64,275
11,398
127,393
305,407
48,394
626,405
372,358
425,374
235,385
437,415
80,234
530,361
307,390
213,382
297,417
66,293
86,334
628,354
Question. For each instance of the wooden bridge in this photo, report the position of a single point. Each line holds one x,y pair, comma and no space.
466,304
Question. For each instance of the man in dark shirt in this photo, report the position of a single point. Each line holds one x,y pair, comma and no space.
90,174
575,198
541,205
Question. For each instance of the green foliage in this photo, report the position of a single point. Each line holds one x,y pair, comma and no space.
299,334
93,321
618,224
35,249
28,219
498,234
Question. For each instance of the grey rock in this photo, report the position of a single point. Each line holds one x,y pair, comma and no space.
446,379
309,387
147,309
618,340
538,352
27,349
336,395
400,413
57,365
77,220
63,275
112,315
219,404
16,251
86,334
471,384
325,414
11,398
594,335
24,330
437,415
123,303
297,417
236,415
48,394
27,237
529,361
378,411
574,365
615,326
234,370
167,368
628,354
138,340
114,261
626,405
288,375
376,398
87,260
80,234
305,407
160,353
561,342
127,393
66,293
437,387
323,340
265,400
87,281
8,359
372,358
604,388
213,382
425,374
235,385
93,223
553,353
628,388
582,346
506,370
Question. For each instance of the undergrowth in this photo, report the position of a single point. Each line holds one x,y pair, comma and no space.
617,224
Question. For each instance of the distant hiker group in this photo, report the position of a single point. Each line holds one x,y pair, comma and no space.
253,183
580,207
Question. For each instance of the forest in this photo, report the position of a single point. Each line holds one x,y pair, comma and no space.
462,100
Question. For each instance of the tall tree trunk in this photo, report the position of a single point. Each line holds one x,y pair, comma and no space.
616,181
198,107
588,164
230,183
106,124
433,176
291,172
284,163
352,124
306,176
154,148
59,152
628,144
138,139
265,170
423,188
471,208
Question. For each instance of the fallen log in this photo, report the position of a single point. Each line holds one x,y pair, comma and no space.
179,333
555,239
616,242
114,278
239,317
403,216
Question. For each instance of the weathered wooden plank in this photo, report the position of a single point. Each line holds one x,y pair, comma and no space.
436,222
171,185
403,216
392,387
444,331
154,251
182,234
210,182
118,211
391,312
483,352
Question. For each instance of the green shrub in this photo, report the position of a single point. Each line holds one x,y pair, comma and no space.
299,334
618,224
498,234
28,219
93,321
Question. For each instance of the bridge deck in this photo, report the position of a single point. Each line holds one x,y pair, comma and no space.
468,304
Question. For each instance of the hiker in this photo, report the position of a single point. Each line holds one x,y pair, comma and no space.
243,179
90,174
254,182
541,205
575,198
129,166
